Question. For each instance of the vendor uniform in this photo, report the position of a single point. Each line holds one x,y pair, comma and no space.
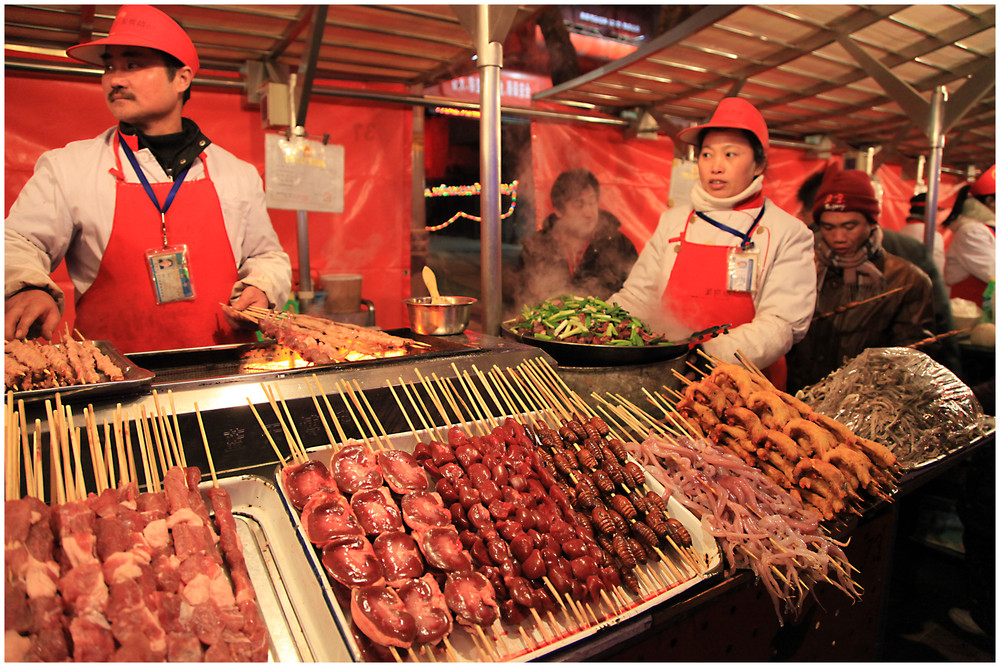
970,260
681,281
89,193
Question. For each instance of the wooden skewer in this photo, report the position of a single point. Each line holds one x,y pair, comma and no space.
345,393
439,405
399,403
141,441
475,398
333,415
29,479
208,450
540,625
395,654
490,648
451,395
489,390
413,656
453,656
364,399
319,411
56,477
495,377
129,453
295,454
267,434
39,491
422,411
291,422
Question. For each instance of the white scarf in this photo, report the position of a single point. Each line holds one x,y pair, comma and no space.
704,202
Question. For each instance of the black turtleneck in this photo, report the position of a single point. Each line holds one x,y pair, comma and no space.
174,152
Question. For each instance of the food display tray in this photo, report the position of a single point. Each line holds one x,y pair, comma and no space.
136,380
294,608
510,642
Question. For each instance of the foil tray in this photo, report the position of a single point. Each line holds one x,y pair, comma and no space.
135,379
294,608
530,640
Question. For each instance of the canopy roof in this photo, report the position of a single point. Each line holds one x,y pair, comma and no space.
837,76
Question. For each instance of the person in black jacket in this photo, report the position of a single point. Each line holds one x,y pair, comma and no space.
580,248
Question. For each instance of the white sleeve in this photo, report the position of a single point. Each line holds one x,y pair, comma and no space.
784,307
37,232
972,252
260,259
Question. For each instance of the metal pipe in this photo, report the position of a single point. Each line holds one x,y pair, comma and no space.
490,60
934,176
306,293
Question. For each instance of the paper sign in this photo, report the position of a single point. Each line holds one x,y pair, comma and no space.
303,175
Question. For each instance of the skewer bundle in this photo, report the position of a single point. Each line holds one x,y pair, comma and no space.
36,364
103,572
322,341
818,460
457,415
758,524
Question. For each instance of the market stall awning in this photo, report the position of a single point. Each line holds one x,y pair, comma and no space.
860,75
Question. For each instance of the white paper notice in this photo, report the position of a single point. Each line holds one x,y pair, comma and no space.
303,175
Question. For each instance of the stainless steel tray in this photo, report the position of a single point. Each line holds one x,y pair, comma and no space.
295,609
528,641
135,380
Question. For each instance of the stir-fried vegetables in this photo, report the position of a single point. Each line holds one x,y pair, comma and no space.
572,319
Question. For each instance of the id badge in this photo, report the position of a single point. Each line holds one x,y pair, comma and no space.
742,269
170,273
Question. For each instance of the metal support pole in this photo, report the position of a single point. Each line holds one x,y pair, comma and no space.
934,176
490,57
305,273
419,237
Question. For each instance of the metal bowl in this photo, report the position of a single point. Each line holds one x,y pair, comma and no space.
446,318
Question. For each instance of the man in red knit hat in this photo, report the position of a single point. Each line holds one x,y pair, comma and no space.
852,267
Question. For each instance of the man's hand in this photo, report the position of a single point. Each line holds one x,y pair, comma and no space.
251,296
28,307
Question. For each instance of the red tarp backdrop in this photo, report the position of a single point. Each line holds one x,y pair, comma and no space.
371,236
634,175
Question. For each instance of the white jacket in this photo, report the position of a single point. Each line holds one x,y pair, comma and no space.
973,248
785,298
66,211
916,230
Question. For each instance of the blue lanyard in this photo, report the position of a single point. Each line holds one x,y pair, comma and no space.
746,243
149,188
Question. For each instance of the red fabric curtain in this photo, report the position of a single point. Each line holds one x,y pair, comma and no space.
371,236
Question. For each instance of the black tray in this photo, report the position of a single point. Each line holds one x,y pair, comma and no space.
136,379
583,354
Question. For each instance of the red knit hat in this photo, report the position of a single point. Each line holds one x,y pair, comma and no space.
140,25
986,184
847,191
733,113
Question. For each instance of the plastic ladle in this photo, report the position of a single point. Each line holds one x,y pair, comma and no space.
430,280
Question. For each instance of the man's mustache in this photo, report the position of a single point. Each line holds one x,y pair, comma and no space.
119,94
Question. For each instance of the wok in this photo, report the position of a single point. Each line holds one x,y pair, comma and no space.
583,354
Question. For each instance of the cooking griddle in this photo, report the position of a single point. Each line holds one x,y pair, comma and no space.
227,362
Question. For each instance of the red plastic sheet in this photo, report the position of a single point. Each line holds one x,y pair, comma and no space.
371,236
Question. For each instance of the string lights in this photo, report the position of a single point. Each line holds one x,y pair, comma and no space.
468,191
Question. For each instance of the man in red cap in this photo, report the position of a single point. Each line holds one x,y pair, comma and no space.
157,225
970,259
732,257
851,268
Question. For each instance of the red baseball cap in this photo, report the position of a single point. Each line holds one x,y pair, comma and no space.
734,113
140,25
986,184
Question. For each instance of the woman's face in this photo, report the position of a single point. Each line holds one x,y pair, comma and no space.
726,165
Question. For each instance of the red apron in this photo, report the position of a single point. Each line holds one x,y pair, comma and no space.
121,304
971,288
697,295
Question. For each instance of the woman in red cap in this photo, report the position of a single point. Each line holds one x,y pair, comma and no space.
970,259
732,257
852,266
157,224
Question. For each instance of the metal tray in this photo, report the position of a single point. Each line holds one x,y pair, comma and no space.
136,380
510,643
221,362
293,606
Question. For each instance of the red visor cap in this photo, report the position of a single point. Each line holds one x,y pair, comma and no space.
735,113
140,25
986,184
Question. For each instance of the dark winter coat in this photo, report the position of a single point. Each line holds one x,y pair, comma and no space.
543,268
899,319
